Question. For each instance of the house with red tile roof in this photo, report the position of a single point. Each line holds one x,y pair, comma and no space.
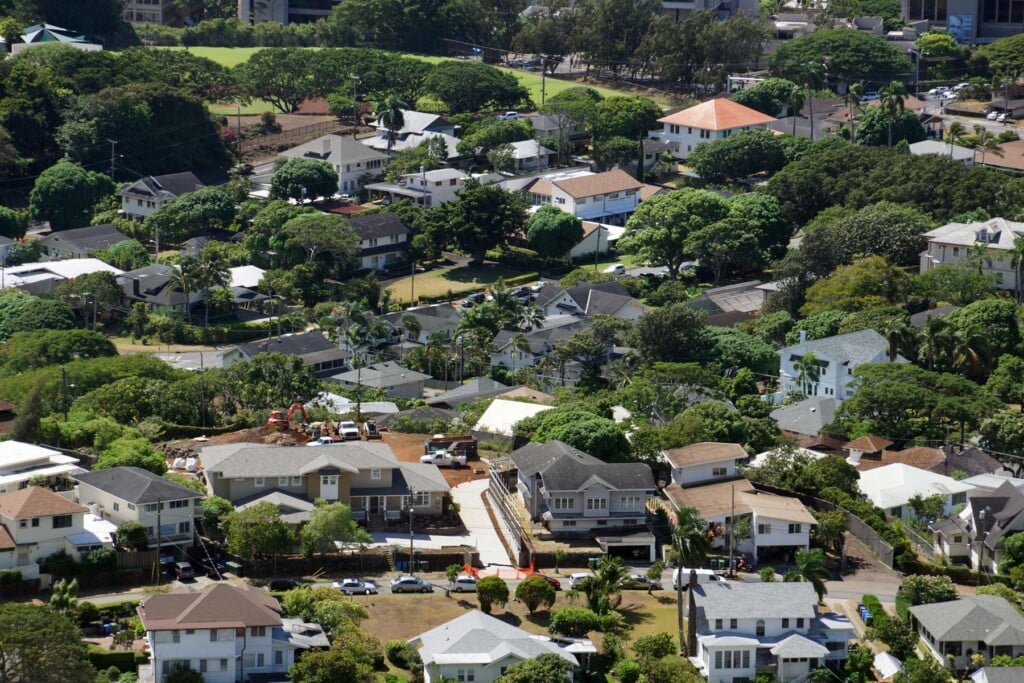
35,523
712,120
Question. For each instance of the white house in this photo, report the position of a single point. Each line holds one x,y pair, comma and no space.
131,494
146,195
426,189
705,462
383,240
609,197
954,243
712,120
780,524
892,486
44,277
477,647
350,159
34,524
24,462
835,361
530,155
227,633
954,631
737,630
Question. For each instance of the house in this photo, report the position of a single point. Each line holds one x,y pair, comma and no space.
502,416
805,419
892,486
560,129
919,320
964,155
780,525
705,462
744,297
529,394
989,516
227,633
473,390
80,242
682,10
146,195
313,348
426,189
607,298
985,625
194,245
654,151
44,277
529,156
478,647
571,491
609,197
1011,160
867,446
737,630
21,463
383,240
415,123
435,319
712,120
954,243
36,523
159,12
388,376
539,342
835,361
154,285
130,494
597,237
995,674
365,476
349,159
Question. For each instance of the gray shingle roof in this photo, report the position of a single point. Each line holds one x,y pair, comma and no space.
293,345
470,391
806,417
135,485
853,348
732,600
564,468
476,638
377,225
998,674
91,238
986,618
164,187
258,460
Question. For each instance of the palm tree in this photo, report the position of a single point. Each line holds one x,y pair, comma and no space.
795,102
518,344
692,545
530,318
411,325
978,253
902,337
954,134
389,114
970,353
186,277
808,373
986,141
891,99
1017,259
936,343
852,99
212,273
607,582
810,565
812,76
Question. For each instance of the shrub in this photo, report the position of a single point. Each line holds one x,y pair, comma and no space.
574,621
402,654
9,577
86,612
628,671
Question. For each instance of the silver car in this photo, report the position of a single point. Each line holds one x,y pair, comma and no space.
355,587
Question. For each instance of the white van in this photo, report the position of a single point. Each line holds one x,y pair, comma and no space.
703,576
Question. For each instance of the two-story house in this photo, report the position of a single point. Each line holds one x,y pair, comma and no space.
131,494
350,159
432,319
391,378
34,524
705,462
572,491
21,463
365,476
312,348
738,630
891,488
780,525
712,120
529,156
608,197
836,359
383,240
992,513
146,195
954,631
80,242
955,243
426,189
150,12
154,285
539,342
226,633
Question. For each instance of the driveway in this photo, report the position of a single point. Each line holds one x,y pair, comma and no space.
474,515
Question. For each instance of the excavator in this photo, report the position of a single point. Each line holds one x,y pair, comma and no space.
283,422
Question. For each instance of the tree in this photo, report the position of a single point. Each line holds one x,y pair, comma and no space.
1004,433
482,218
925,590
535,591
852,99
65,195
891,99
659,229
877,125
322,234
64,598
1007,380
192,214
866,283
280,76
330,525
127,255
986,141
390,114
691,545
916,670
575,622
256,530
829,531
770,96
1005,55
303,179
132,450
853,56
38,645
494,134
900,636
12,223
729,242
614,151
182,673
811,567
626,117
572,109
469,86
884,229
131,535
654,646
353,656
738,156
545,668
491,590
674,333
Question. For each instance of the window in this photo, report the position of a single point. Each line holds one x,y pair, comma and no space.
764,528
569,522
23,524
958,539
375,473
279,657
732,659
559,200
564,503
719,471
175,636
213,635
800,622
131,506
257,631
466,675
372,241
259,482
61,521
796,528
759,628
421,499
328,480
785,623
597,503
152,507
296,481
718,624
184,527
602,522
178,504
630,503
190,632
117,506
254,661
733,624
282,481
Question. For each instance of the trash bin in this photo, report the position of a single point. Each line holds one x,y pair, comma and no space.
593,562
234,567
106,629
401,565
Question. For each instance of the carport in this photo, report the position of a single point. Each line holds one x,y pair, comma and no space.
629,546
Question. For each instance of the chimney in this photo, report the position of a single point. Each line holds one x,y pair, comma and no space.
803,336
691,622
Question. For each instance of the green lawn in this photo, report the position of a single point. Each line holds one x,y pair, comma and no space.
454,279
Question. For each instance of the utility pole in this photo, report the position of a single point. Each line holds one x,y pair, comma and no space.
159,573
732,526
113,156
64,389
543,78
411,564
238,131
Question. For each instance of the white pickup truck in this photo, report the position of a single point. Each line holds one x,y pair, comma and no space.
348,431
442,459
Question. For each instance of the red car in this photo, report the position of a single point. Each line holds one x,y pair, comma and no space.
555,583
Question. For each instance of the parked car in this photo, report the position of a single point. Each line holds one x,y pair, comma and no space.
992,115
553,582
355,587
579,577
937,92
322,441
183,571
960,86
348,431
949,95
616,269
443,459
640,582
524,294
464,584
869,96
411,584
474,299
1003,118
508,116
281,585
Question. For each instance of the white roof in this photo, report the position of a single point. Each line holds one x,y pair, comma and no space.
246,276
476,638
942,149
894,485
528,149
886,665
1000,233
761,458
341,405
992,481
502,416
68,269
97,531
21,461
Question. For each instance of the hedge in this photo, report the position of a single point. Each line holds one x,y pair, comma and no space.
878,614
125,660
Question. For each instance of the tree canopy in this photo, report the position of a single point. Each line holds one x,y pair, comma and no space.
65,195
850,55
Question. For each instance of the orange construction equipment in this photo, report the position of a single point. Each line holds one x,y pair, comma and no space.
280,421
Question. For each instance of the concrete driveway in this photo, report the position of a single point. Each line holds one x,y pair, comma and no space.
474,515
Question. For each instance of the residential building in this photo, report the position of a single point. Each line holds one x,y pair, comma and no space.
712,120
227,633
473,390
965,155
971,22
919,320
365,476
730,305
415,123
313,348
388,376
607,298
705,462
529,156
383,240
609,197
539,342
159,12
146,195
597,237
502,416
351,160
738,630
955,243
21,463
779,526
433,319
984,625
679,10
572,491
560,129
426,189
892,486
154,286
868,446
478,647
805,419
36,523
975,533
996,674
44,277
80,242
835,361
131,494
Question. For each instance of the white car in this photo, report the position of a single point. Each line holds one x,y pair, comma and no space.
322,441
508,116
992,115
616,269
355,587
935,92
949,95
960,86
579,577
464,584
348,431
442,459
1002,118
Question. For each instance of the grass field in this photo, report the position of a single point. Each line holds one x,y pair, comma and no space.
454,279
